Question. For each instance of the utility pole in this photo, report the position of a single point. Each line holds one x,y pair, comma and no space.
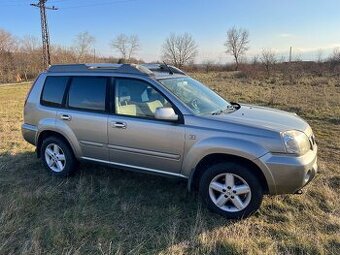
44,31
290,54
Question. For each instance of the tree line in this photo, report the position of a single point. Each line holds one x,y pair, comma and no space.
21,58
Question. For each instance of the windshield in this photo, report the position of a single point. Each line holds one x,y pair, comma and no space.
200,99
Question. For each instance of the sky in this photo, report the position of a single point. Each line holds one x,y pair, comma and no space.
309,26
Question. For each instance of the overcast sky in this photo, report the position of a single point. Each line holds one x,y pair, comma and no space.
306,25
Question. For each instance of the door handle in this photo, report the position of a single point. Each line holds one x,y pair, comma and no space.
119,124
65,117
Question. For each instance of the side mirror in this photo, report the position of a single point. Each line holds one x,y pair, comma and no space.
165,113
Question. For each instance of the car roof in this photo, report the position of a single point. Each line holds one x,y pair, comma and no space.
157,71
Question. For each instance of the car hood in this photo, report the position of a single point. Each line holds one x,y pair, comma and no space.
264,117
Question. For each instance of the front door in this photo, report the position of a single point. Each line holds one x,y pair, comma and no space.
136,138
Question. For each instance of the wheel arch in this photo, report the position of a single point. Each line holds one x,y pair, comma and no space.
48,133
215,158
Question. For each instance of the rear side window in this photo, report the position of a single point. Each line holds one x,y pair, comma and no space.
54,90
87,93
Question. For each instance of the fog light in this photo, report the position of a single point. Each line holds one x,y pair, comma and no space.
307,176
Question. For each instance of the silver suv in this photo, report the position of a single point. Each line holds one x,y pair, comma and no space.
154,118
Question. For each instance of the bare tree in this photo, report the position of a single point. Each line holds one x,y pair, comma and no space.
126,45
334,60
179,50
7,41
237,43
29,43
20,58
29,56
335,56
83,44
7,48
268,59
255,60
298,57
208,65
63,54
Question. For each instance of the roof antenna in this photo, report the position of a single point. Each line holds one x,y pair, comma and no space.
170,71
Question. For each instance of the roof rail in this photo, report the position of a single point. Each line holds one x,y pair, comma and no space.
104,67
162,68
144,69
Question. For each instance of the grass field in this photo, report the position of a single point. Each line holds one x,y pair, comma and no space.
108,211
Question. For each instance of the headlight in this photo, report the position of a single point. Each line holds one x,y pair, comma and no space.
296,142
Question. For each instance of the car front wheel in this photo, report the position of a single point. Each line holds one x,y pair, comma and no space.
231,190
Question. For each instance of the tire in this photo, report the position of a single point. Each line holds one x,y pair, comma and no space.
231,201
54,149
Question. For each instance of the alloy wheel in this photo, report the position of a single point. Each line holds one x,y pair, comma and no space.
230,192
55,157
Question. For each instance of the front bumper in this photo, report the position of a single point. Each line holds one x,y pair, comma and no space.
289,173
29,132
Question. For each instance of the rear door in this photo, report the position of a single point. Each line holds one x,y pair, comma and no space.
136,138
86,114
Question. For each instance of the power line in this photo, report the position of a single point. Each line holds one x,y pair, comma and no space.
44,30
80,4
98,4
11,4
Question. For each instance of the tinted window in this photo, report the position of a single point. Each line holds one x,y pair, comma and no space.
137,98
87,93
53,91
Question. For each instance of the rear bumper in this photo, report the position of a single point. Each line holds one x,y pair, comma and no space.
29,132
289,173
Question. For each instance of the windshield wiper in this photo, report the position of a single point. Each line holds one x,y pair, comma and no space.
230,108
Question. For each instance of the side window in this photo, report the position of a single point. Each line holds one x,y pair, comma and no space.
137,98
87,93
54,89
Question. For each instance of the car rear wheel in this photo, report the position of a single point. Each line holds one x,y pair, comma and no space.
231,190
57,156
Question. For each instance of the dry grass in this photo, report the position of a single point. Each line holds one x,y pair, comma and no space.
108,211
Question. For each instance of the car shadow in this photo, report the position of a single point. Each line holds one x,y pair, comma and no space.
132,210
